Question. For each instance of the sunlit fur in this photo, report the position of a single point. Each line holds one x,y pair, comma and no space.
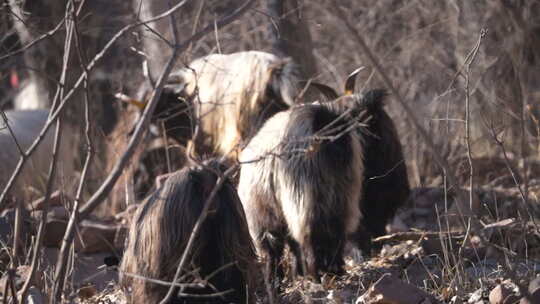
26,126
162,226
302,191
234,94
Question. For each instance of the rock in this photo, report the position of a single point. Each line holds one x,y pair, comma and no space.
391,290
92,235
57,219
98,236
534,298
502,294
54,232
89,269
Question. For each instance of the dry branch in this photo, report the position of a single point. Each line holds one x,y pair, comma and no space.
57,139
107,185
61,105
196,228
449,174
61,265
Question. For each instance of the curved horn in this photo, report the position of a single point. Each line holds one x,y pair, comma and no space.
327,91
123,97
176,82
351,80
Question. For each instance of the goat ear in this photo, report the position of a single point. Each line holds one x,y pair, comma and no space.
123,97
327,91
176,82
351,80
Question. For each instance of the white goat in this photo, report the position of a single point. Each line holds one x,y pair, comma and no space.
234,94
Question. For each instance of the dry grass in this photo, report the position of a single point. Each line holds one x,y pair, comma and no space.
423,46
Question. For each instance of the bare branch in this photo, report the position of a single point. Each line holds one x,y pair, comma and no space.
52,171
196,228
59,109
67,241
107,185
469,61
401,101
36,41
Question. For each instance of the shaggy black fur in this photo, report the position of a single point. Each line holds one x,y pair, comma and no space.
386,184
162,227
324,170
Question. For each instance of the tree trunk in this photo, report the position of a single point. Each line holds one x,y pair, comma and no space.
290,35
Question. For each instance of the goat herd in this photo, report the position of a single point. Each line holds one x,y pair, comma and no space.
314,175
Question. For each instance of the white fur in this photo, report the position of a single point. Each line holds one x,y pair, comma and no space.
229,86
259,162
256,158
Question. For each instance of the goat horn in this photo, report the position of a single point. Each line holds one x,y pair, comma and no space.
351,80
327,91
123,97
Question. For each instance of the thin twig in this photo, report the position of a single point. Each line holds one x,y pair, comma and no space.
12,287
52,170
107,185
161,282
468,62
59,109
37,40
61,264
221,179
399,98
205,296
6,290
17,233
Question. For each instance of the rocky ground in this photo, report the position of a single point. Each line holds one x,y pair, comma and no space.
486,250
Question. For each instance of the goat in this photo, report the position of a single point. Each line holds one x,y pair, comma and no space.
386,184
162,226
300,183
232,95
26,126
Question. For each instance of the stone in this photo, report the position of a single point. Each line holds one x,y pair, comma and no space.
534,298
391,290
